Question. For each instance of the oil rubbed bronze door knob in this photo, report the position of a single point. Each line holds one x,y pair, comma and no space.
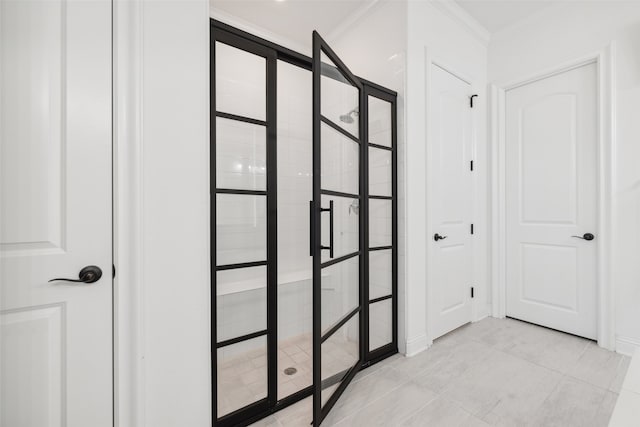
89,274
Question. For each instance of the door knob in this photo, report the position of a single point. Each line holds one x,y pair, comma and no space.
586,236
437,237
89,274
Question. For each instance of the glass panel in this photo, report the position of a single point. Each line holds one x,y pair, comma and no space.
380,274
295,290
241,159
241,302
242,374
340,291
339,353
345,226
379,122
379,223
380,324
340,161
241,82
340,100
379,172
241,228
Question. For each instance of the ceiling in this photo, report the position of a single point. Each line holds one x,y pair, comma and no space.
293,19
496,15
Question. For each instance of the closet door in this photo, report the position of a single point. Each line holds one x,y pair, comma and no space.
336,236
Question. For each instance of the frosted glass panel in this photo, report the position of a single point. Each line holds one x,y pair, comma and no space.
380,324
379,122
241,161
340,291
380,224
339,353
379,172
340,161
242,374
241,86
241,228
380,273
241,302
339,100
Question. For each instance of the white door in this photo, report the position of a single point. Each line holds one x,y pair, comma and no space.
551,190
451,202
55,213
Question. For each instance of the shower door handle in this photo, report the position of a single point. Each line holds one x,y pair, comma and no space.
312,228
330,210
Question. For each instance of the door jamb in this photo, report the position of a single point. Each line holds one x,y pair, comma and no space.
606,67
431,60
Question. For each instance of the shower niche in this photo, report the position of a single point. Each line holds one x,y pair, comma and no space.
304,226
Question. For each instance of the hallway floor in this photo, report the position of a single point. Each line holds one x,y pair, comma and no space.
490,373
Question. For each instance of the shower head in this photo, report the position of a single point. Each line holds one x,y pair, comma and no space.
349,117
346,118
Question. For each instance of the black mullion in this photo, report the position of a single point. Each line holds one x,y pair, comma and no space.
213,225
339,194
364,219
382,197
337,260
380,147
241,338
335,328
380,248
337,128
272,229
238,118
244,192
394,215
384,298
316,306
240,265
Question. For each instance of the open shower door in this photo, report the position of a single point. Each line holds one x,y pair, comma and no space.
336,232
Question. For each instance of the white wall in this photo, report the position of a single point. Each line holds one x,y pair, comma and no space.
566,32
162,338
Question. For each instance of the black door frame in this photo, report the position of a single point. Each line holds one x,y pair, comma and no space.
272,52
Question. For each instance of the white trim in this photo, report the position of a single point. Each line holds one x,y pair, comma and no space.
462,17
627,346
128,208
605,61
350,21
477,312
417,345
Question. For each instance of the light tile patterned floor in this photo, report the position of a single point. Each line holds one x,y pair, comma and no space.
490,373
243,377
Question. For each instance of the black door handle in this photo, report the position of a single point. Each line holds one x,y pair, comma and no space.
330,210
89,274
586,236
437,237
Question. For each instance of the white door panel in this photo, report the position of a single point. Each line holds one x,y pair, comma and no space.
451,199
55,213
551,189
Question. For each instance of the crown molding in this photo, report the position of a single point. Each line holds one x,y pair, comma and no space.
350,20
462,17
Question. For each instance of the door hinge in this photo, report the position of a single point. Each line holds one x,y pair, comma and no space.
471,165
472,292
471,228
471,100
113,271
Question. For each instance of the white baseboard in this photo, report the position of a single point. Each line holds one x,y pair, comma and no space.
627,345
417,345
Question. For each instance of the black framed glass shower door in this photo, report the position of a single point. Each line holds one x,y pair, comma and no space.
261,143
336,234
